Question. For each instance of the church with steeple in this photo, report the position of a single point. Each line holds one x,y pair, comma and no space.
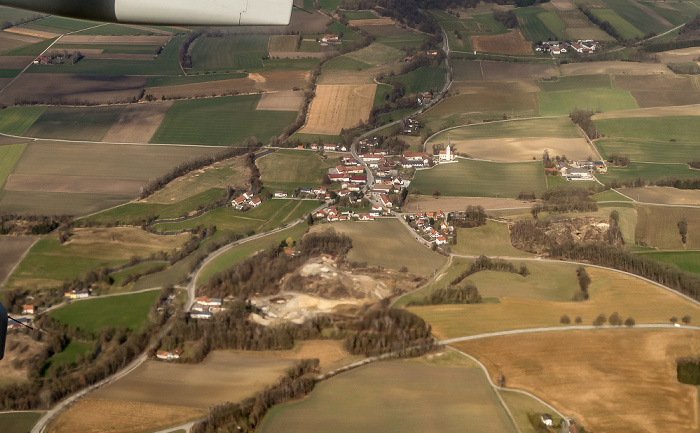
446,155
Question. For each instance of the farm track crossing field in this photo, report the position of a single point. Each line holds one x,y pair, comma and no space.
563,102
663,195
220,121
127,311
337,107
91,415
481,179
509,43
639,376
386,243
609,292
395,396
13,248
76,123
138,122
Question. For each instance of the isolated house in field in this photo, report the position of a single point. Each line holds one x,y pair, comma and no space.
330,39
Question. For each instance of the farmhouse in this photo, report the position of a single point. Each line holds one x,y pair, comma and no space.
330,147
441,240
77,294
27,309
168,356
386,202
381,189
211,302
280,194
365,217
330,39
238,202
255,202
573,173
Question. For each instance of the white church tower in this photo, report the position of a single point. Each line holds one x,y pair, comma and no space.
447,155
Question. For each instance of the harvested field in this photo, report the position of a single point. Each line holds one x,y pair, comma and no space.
655,82
45,203
282,43
610,292
104,160
589,32
665,98
12,41
337,107
73,184
92,415
396,396
614,68
658,227
511,87
256,82
663,195
138,123
12,248
289,100
515,71
387,243
689,110
68,88
679,56
379,21
563,5
508,43
43,34
429,204
238,376
115,40
522,149
15,62
631,388
562,102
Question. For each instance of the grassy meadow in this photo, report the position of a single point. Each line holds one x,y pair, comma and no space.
471,178
19,422
220,121
492,239
287,169
125,311
9,155
686,260
563,102
17,120
75,123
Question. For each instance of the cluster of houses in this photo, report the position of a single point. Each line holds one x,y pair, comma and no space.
169,355
432,226
586,46
245,201
328,147
580,170
410,125
332,214
47,59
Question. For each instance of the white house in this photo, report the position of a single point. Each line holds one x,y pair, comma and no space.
280,194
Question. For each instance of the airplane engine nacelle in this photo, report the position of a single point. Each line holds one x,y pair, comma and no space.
167,12
3,330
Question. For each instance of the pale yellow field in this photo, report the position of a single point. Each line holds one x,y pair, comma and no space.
288,100
614,67
119,242
383,21
621,380
609,292
522,149
94,415
337,107
563,5
138,123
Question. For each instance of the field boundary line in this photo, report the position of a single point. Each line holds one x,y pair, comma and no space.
14,268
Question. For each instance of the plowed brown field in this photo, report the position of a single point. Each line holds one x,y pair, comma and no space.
138,123
508,43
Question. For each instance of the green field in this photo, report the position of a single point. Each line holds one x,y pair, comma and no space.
191,79
114,30
598,81
220,121
119,276
396,396
423,79
623,27
329,5
137,211
360,15
493,239
246,249
167,63
229,53
19,422
9,155
677,14
126,311
636,16
16,120
559,128
533,23
686,260
470,178
679,128
647,172
287,169
31,50
563,102
376,54
609,195
345,63
349,35
387,243
58,203
649,151
270,214
13,15
70,353
59,24
75,123
9,73
402,41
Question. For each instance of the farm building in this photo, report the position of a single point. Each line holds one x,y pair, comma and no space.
77,294
201,315
280,194
27,309
18,323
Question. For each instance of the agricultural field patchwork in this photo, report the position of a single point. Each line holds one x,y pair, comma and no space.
563,102
658,227
137,123
13,249
231,52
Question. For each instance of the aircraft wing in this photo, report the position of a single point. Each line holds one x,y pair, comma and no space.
167,12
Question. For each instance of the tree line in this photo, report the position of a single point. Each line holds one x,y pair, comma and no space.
565,199
583,119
